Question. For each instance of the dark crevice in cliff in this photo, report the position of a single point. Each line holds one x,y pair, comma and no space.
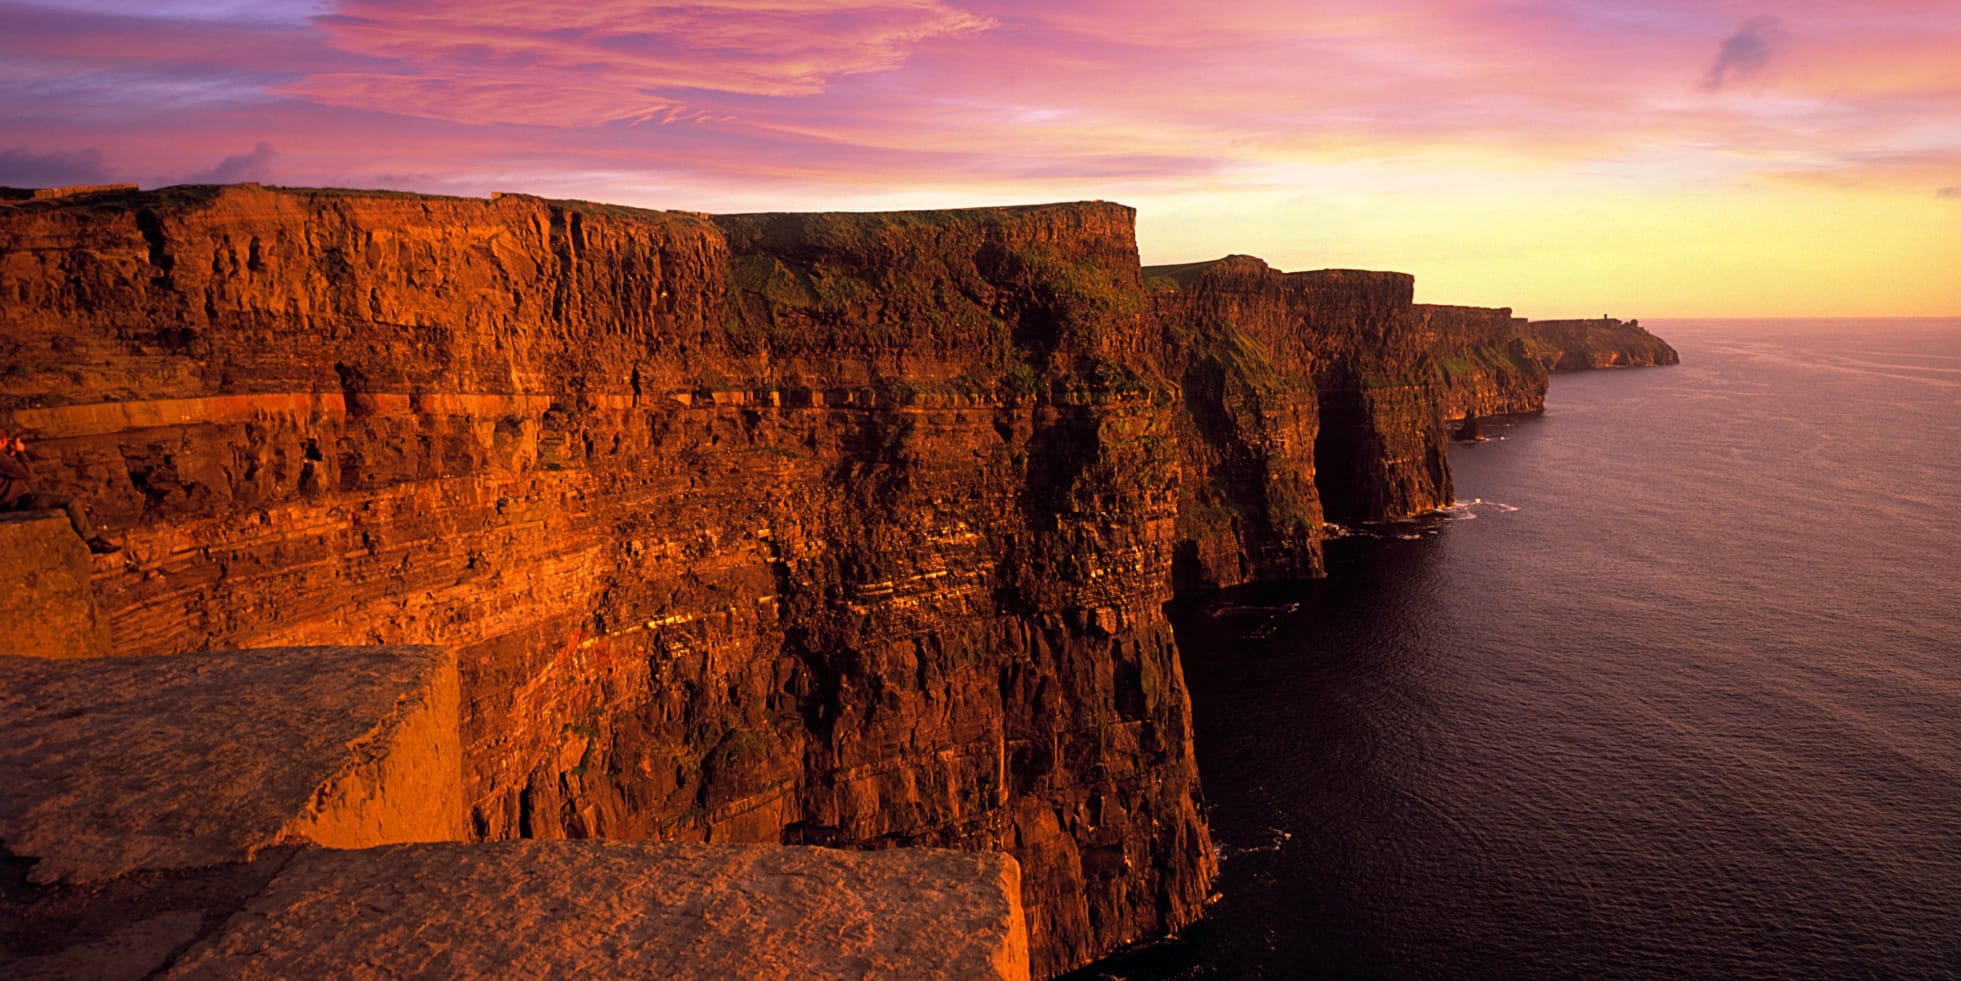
1342,458
151,228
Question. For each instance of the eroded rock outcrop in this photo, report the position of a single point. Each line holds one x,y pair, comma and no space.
1484,361
830,529
1307,396
1578,345
548,909
806,529
120,764
608,909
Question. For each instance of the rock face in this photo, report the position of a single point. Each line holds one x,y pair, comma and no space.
45,599
1577,345
119,764
1484,361
829,529
1489,362
848,530
1307,394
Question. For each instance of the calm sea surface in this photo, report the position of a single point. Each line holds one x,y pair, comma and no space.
1676,692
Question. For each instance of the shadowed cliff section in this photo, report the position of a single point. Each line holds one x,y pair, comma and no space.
1307,394
842,529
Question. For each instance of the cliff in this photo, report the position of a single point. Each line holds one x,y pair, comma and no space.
827,529
164,817
831,529
1489,362
1307,395
1484,361
1578,345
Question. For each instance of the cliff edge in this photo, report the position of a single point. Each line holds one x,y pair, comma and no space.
832,529
1578,345
825,529
1307,399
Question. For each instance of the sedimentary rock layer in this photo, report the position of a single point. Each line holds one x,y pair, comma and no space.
1484,360
833,529
1306,394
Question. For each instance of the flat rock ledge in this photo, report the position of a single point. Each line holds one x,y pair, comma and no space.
161,815
609,909
533,909
119,764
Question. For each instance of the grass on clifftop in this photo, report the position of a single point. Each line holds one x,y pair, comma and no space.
1177,276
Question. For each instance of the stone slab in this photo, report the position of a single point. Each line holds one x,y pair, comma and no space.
531,909
609,909
113,765
47,608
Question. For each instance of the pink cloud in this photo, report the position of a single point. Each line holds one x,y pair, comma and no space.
611,60
1058,97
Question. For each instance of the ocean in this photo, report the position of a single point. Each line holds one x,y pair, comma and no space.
1673,691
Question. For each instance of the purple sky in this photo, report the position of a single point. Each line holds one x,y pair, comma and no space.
1688,157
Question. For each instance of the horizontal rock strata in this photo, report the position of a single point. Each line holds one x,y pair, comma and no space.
1307,395
1485,361
831,529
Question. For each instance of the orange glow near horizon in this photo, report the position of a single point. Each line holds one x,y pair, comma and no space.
1665,159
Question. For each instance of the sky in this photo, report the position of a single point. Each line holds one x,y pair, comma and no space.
1677,158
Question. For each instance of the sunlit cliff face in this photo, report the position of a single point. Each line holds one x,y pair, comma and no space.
1570,160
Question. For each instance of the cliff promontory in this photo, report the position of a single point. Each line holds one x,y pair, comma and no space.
1577,345
1491,363
1307,399
1484,359
826,529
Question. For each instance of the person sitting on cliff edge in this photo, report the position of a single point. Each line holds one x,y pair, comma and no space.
16,494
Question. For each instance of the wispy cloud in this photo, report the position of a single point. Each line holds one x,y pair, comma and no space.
606,61
1368,129
1745,54
1052,96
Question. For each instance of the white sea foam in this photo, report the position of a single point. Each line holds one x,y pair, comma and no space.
1467,510
1276,839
